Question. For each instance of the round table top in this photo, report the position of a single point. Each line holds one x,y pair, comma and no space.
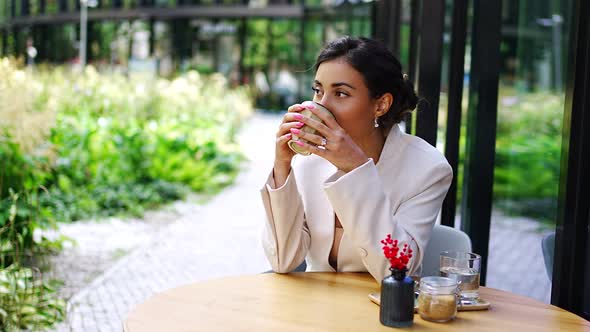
323,302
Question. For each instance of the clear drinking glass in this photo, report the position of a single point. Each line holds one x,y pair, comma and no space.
465,268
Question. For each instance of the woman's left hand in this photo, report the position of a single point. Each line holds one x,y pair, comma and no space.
330,142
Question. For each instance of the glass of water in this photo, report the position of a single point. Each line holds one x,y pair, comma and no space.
465,268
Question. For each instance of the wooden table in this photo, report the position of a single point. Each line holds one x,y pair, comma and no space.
323,302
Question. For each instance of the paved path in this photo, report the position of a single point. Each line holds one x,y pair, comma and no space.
515,257
217,239
191,242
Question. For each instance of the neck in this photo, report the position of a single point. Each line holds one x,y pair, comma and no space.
372,144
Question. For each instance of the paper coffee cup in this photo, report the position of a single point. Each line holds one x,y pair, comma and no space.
306,112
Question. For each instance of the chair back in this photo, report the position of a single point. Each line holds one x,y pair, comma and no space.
443,238
548,247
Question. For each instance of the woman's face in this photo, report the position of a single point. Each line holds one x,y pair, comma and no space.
341,89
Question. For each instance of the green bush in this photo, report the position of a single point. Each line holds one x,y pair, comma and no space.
76,146
20,213
115,144
27,302
528,150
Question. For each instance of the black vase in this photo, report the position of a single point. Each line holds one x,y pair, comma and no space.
397,300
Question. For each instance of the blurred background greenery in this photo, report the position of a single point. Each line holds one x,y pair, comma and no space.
85,145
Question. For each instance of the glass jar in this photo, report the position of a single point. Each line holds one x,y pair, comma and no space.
438,299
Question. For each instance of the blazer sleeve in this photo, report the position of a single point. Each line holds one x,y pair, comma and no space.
367,215
286,236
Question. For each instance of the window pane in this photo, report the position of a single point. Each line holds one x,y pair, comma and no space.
528,143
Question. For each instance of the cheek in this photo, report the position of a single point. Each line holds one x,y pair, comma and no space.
352,117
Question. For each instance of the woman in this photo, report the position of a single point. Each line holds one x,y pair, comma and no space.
364,179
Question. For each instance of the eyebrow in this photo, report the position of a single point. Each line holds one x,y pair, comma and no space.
337,84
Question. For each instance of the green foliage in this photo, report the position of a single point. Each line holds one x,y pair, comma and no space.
105,32
104,200
284,35
256,55
121,145
528,149
3,13
76,146
20,213
27,302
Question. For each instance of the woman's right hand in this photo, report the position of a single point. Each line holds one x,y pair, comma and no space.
284,154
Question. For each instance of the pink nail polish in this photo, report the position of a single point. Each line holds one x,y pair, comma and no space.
310,106
288,135
299,124
295,131
299,143
298,116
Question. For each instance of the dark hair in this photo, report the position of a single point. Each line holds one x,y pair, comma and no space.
381,71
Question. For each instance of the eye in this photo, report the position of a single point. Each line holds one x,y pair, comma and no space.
341,94
315,90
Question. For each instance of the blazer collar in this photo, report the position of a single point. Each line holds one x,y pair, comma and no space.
392,143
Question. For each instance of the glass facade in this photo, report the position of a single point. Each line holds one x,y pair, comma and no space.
528,140
534,45
531,96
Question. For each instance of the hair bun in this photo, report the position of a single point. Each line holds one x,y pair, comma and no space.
411,99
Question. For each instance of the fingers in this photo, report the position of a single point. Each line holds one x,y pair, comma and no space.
312,138
286,127
295,108
283,139
321,128
291,119
292,116
328,119
317,150
326,128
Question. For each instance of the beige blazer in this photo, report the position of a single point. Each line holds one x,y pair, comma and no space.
401,195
